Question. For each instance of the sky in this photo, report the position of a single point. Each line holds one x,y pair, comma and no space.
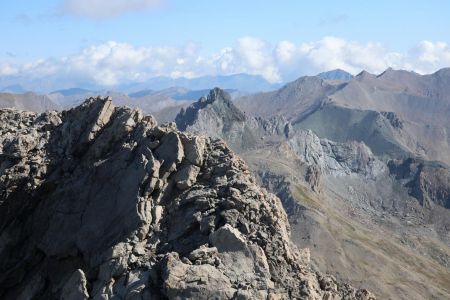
111,41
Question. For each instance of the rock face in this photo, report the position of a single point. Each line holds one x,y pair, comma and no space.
216,118
429,182
99,202
335,158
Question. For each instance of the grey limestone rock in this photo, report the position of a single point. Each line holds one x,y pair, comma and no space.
75,287
99,202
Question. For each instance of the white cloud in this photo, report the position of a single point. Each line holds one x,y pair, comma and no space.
257,58
332,53
285,51
431,55
7,70
113,63
106,8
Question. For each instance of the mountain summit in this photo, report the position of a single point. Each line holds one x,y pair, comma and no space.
220,103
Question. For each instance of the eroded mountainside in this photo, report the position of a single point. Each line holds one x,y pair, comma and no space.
366,213
395,113
99,202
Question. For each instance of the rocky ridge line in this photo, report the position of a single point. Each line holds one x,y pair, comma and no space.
99,202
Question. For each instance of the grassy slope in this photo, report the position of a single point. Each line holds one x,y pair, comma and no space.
348,244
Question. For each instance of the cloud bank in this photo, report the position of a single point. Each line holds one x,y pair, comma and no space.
111,63
106,8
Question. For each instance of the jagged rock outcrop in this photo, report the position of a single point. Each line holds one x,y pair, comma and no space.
393,118
99,202
216,116
216,119
229,112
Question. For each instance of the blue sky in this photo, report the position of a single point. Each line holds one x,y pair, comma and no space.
39,35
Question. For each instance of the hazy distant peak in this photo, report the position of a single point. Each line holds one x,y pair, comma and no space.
141,93
390,72
390,69
443,72
364,74
386,72
337,74
72,92
305,80
14,88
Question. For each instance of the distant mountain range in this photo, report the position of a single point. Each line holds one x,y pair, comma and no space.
47,85
72,92
241,82
176,93
15,88
68,87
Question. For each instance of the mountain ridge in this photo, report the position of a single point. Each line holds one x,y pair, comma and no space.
322,182
193,222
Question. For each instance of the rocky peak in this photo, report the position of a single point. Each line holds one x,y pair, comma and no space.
218,102
217,116
100,202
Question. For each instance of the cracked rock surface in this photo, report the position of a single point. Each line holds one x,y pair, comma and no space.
99,202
